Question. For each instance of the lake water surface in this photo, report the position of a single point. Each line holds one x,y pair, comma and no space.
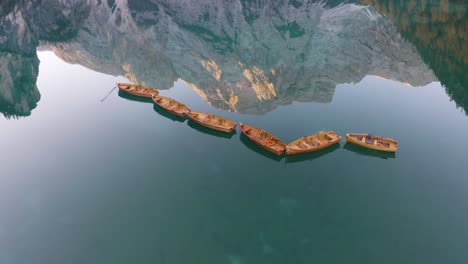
120,181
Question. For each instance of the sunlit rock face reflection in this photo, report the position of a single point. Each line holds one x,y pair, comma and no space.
245,56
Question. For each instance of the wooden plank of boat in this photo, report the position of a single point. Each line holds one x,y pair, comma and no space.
171,105
212,121
137,90
263,139
372,142
313,142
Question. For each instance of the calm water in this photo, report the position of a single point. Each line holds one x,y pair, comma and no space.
120,181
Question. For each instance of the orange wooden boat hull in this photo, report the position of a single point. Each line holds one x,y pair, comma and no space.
228,129
148,94
293,151
181,112
279,151
353,138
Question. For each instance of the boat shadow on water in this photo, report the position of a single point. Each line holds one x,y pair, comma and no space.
209,131
135,98
166,114
249,144
312,155
369,152
156,108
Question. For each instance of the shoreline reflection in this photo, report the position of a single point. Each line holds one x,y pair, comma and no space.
273,54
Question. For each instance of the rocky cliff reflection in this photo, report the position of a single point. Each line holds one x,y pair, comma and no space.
23,24
439,31
18,90
245,56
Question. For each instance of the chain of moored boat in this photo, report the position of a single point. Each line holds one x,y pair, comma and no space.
259,136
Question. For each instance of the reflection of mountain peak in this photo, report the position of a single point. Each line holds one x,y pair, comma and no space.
246,56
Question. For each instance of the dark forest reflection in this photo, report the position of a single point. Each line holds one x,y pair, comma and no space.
18,90
439,31
247,56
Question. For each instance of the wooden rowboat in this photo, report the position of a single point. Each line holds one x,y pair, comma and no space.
212,121
373,142
263,139
313,142
137,90
171,105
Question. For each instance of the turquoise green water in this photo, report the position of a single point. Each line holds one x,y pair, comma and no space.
120,181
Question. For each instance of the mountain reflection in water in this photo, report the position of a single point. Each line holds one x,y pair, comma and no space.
243,56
